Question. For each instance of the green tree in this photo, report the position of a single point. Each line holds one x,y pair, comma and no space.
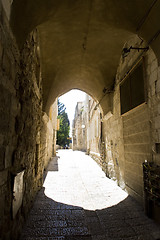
64,126
61,107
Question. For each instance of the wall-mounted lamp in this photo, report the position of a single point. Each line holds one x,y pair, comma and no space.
125,51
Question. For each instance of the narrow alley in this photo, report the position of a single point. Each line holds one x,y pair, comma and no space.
77,201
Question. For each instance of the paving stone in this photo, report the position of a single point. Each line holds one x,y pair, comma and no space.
120,232
79,203
73,223
99,237
78,237
48,224
44,238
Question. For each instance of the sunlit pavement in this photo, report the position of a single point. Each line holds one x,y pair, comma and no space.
78,202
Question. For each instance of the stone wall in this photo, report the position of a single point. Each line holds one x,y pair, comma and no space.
48,134
28,155
94,129
79,132
127,140
9,110
113,142
153,82
133,138
21,126
136,132
53,118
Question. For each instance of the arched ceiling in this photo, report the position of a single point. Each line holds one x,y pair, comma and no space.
81,41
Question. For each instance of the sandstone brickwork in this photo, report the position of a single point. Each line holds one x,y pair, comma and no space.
119,142
21,138
94,130
132,138
79,128
9,110
125,141
48,134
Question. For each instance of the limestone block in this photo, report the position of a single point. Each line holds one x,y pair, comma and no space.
1,51
159,73
2,157
135,112
1,139
137,148
4,97
133,184
158,86
135,120
158,107
153,89
133,167
6,63
154,65
148,70
151,56
153,77
8,156
2,204
143,137
158,135
3,177
155,136
4,123
7,7
13,72
139,158
15,106
157,122
19,125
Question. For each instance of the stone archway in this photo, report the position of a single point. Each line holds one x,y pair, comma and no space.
81,42
73,44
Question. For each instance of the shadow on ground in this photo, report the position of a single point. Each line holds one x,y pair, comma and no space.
51,220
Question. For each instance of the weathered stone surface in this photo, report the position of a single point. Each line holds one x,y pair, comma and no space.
2,157
21,120
79,206
158,86
79,128
8,156
25,136
3,177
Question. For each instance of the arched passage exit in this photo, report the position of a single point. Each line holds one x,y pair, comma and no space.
49,47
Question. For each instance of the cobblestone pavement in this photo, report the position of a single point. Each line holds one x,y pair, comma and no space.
78,202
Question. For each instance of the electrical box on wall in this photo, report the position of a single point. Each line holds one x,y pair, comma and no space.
17,192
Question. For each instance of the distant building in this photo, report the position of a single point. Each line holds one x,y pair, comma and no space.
94,138
87,128
79,128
